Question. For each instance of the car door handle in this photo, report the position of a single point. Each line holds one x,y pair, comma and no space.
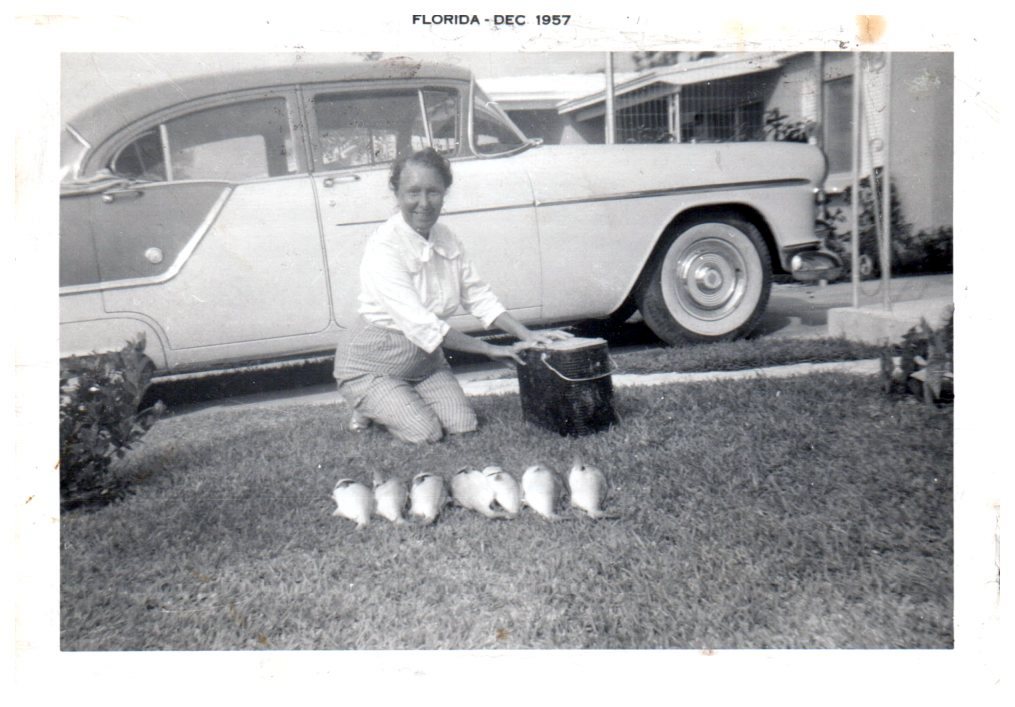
110,196
329,182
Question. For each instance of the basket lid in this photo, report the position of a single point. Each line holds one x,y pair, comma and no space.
573,344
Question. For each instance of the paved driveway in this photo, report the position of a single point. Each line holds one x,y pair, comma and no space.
802,310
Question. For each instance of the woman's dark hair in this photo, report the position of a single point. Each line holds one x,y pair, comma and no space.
427,157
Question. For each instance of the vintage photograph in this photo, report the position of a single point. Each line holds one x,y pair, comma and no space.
506,350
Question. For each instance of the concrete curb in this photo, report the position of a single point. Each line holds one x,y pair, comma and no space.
473,386
623,380
873,325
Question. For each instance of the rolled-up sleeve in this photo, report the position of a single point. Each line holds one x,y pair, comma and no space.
477,297
386,281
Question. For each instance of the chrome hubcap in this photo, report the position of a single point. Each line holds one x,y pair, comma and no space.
710,278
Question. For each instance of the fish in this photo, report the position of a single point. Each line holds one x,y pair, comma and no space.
472,490
354,501
506,491
588,489
427,497
541,491
390,497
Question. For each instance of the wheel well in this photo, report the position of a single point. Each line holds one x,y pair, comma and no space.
742,211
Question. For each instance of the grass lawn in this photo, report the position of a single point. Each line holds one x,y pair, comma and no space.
801,513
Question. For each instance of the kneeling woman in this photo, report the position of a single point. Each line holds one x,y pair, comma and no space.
390,365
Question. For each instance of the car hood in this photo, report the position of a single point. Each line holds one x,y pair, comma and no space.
564,171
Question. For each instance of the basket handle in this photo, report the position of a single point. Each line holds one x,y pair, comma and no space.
613,369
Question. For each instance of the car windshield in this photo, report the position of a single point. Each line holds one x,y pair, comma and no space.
493,133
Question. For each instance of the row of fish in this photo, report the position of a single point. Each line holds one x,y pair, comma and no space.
492,492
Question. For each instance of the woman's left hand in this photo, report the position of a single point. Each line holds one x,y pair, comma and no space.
544,338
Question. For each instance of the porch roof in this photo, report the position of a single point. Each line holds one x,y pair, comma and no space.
712,69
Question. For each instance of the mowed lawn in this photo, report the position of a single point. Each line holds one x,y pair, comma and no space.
811,512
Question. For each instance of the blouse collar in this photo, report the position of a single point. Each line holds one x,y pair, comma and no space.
441,240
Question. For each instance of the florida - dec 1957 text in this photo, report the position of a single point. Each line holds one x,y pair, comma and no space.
509,20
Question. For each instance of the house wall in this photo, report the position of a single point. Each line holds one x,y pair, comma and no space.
922,115
795,92
920,96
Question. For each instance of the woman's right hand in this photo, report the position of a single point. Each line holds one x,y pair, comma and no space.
510,351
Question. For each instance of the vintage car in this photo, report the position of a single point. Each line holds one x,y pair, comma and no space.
224,216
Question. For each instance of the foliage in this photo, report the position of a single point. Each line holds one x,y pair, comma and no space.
99,419
649,60
926,251
779,128
926,364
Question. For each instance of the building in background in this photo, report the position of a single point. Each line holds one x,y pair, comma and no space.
764,96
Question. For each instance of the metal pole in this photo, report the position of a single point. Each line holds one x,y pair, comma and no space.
886,189
855,193
610,129
819,113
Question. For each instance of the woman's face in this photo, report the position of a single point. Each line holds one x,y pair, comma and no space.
420,196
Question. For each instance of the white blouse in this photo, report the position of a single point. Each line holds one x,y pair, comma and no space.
411,284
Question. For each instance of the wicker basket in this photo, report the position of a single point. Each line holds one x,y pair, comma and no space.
566,387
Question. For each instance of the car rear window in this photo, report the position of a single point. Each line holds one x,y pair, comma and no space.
235,142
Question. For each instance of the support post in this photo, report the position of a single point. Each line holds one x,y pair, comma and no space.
886,190
855,193
611,132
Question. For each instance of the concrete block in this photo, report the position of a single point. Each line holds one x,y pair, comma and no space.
874,325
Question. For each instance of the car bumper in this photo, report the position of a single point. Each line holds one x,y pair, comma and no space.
812,264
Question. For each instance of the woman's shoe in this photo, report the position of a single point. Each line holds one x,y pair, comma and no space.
358,422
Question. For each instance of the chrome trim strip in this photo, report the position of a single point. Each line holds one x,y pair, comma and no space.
173,270
164,141
651,193
76,172
645,194
424,118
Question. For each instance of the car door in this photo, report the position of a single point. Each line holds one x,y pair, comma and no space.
215,236
355,136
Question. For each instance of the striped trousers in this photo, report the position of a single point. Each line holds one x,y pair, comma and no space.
385,377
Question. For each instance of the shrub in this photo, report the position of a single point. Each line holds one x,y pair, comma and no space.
100,420
925,364
926,251
779,128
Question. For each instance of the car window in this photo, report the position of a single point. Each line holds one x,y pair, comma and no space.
141,159
442,112
360,129
492,131
235,142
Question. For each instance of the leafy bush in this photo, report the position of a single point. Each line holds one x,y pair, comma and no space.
925,364
100,420
926,251
779,128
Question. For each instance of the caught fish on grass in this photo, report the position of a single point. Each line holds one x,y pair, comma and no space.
472,490
588,488
427,497
542,491
354,501
390,497
506,492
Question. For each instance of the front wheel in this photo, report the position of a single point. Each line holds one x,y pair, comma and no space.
709,281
